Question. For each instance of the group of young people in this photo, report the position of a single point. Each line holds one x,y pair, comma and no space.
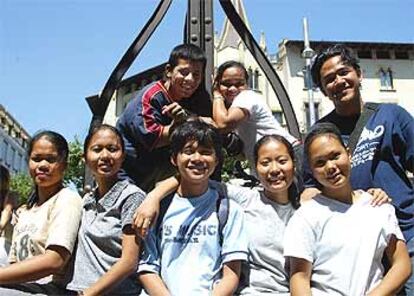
190,235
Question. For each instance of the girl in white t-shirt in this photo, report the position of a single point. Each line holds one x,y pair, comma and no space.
47,225
245,111
335,242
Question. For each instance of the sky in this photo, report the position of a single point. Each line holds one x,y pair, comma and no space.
54,53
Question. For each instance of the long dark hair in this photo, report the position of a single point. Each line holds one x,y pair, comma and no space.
293,194
62,148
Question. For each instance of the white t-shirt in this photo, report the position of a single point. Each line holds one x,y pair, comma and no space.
265,224
260,122
344,242
55,222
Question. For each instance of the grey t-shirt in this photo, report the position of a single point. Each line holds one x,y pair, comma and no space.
265,222
100,237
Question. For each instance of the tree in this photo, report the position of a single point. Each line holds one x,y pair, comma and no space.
21,184
75,171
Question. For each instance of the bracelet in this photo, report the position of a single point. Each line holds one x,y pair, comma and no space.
218,98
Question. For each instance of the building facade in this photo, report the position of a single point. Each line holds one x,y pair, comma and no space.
13,143
387,68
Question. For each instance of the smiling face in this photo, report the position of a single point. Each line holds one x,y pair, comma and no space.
275,169
104,155
340,82
46,167
330,162
195,163
184,78
232,83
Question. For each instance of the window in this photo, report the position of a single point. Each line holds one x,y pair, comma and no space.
386,79
383,54
307,79
4,148
256,79
401,55
364,54
10,156
278,115
17,161
307,112
250,79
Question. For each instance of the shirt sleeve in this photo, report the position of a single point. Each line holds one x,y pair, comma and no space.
239,194
391,225
145,121
246,100
150,258
406,133
235,242
129,207
65,217
299,239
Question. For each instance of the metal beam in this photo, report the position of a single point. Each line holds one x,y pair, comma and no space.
264,64
99,106
199,31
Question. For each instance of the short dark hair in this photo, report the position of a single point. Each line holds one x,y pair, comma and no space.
196,130
347,58
56,139
226,65
318,130
99,128
187,51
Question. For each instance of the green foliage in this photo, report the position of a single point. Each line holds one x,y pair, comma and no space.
75,171
21,184
228,169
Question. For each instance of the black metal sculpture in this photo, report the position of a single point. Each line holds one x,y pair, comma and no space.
198,30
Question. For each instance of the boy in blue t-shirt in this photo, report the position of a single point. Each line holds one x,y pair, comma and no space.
188,252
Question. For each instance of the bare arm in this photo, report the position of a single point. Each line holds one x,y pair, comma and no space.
6,213
226,119
153,284
300,274
122,268
147,212
230,280
309,193
36,267
400,269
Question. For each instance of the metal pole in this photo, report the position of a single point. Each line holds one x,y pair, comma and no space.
307,54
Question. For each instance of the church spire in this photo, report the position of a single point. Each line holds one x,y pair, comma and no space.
229,36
